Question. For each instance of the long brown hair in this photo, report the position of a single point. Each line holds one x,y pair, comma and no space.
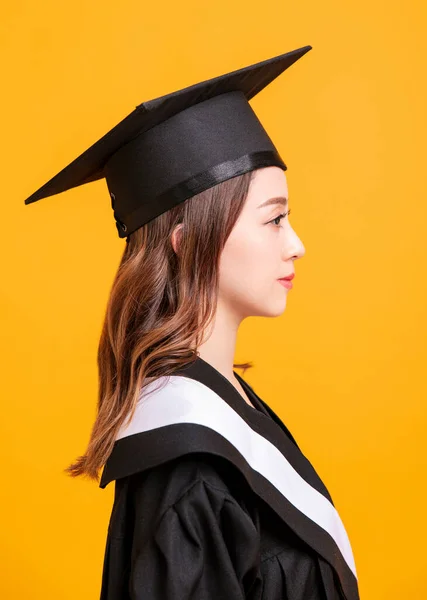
159,306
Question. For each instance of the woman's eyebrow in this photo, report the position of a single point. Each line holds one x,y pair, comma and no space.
275,200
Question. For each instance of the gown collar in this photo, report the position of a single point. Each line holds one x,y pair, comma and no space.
204,372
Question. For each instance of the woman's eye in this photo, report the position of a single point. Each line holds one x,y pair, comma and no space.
280,217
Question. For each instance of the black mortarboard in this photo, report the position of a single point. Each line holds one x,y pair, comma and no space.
173,147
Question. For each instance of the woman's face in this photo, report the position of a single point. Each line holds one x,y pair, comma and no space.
260,250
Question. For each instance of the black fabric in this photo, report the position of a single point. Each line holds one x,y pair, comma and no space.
175,146
192,528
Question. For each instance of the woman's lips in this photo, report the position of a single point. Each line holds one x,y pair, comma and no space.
286,281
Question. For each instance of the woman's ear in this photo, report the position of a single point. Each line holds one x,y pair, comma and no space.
176,237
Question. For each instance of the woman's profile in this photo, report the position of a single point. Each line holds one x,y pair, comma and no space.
213,497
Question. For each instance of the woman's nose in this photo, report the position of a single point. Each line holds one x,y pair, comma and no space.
293,246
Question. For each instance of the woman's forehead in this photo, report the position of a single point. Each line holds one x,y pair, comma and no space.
267,183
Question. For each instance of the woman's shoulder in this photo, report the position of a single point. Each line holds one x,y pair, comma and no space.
185,531
192,477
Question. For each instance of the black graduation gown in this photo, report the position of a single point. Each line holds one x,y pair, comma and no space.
215,500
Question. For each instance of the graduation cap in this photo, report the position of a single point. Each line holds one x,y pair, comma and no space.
178,145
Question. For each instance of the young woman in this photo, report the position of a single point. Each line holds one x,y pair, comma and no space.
213,497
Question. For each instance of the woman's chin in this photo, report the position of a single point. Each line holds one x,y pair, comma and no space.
274,309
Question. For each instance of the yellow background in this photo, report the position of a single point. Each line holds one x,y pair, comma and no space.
344,366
